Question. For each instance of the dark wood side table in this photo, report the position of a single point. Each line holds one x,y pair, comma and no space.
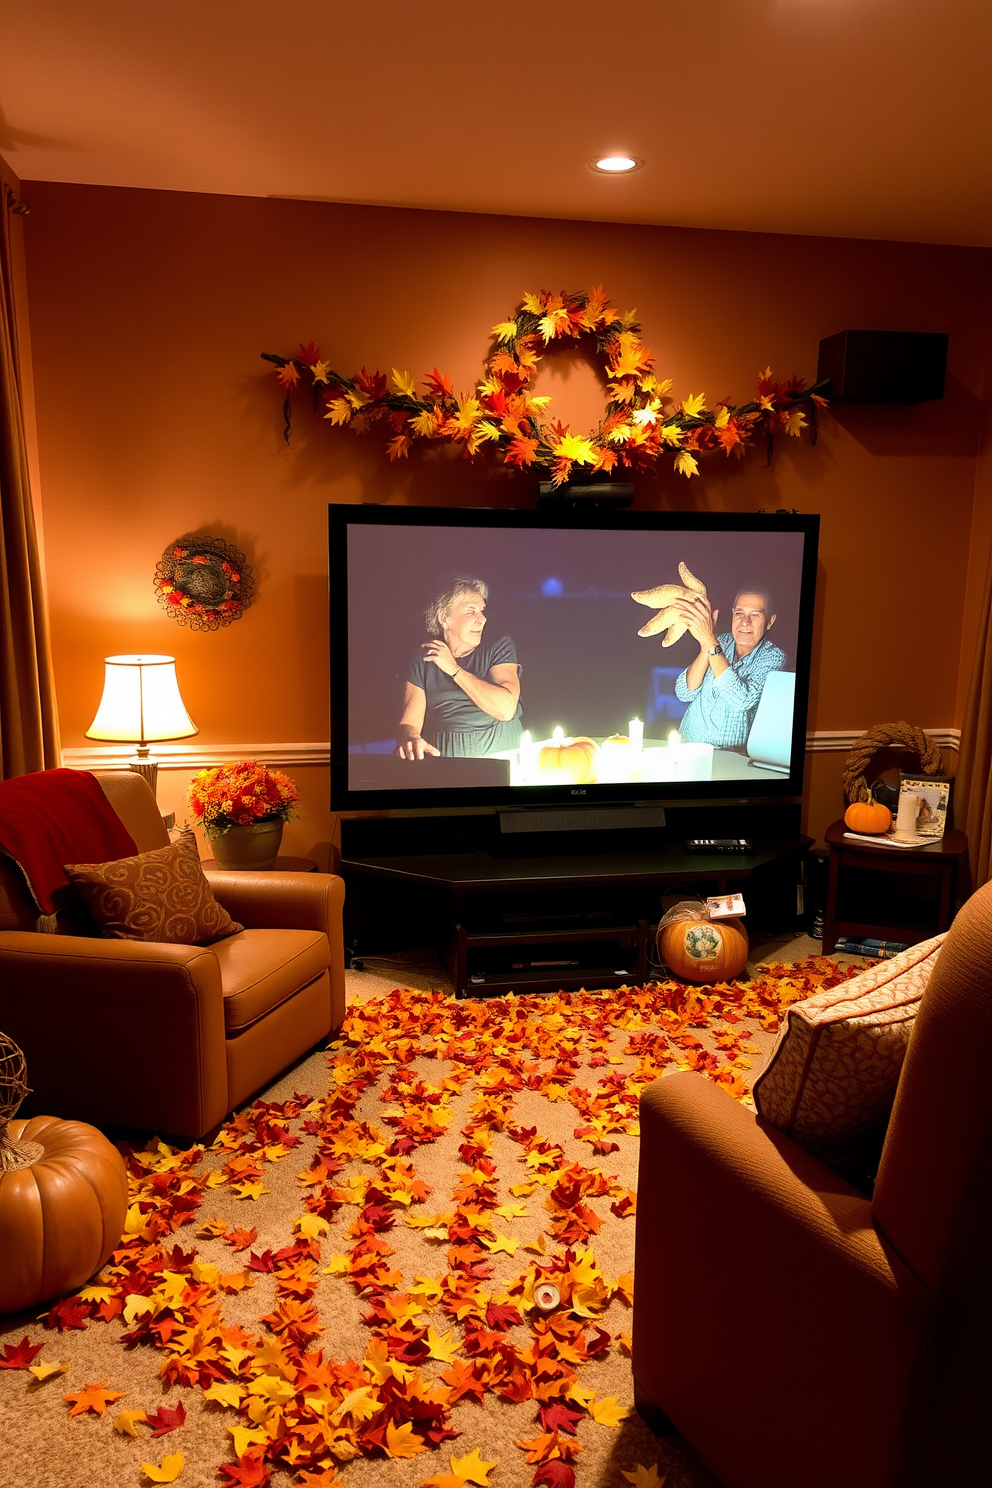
282,865
890,893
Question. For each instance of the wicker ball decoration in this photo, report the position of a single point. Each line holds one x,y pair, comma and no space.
63,1197
856,787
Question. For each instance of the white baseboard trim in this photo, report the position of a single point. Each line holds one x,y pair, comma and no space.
277,756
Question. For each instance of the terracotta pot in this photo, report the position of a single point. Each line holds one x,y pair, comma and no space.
248,847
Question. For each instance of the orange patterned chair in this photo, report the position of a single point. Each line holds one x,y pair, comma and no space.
796,1332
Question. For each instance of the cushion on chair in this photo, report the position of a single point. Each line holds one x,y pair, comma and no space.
831,1078
160,895
259,969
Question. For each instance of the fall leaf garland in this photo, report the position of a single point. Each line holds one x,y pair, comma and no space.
642,421
459,1333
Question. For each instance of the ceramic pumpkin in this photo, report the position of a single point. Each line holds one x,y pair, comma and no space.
868,816
62,1210
697,949
573,762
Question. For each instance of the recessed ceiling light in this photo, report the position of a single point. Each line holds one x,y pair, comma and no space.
616,165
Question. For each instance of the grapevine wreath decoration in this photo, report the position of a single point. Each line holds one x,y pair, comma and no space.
203,582
642,420
856,787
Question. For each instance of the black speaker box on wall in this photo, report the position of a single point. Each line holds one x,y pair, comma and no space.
883,366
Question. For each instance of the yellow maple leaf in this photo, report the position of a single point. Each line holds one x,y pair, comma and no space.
339,412
506,330
227,1394
126,1422
243,1438
250,1190
338,1265
582,1397
694,405
795,422
626,1343
573,447
505,1243
625,1286
511,1211
532,302
443,1346
686,464
403,383
403,1441
721,417
609,1412
45,1371
167,1471
358,1403
472,1469
645,1477
96,1294
311,1225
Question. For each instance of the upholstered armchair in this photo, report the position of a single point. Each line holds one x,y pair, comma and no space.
170,1038
797,1332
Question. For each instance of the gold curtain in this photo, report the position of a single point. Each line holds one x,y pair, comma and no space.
29,733
973,781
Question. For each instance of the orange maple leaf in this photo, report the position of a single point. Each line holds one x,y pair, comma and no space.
94,1398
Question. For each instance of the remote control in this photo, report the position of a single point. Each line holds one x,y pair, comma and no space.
717,844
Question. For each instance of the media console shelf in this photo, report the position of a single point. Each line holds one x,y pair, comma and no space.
557,921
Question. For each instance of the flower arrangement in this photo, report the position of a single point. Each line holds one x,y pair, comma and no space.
642,421
240,795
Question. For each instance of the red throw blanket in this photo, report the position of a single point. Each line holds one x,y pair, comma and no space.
55,817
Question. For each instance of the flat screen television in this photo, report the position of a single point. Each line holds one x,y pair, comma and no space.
499,658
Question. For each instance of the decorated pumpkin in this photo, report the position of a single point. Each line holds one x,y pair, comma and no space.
870,817
698,949
573,762
63,1198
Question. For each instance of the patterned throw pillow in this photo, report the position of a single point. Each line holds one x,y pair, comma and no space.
160,895
831,1078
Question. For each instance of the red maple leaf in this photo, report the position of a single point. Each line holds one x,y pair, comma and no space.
309,353
499,1316
167,1419
69,1313
558,1417
21,1356
439,384
249,1471
263,1262
555,1475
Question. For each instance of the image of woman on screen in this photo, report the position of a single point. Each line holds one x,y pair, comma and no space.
723,685
462,692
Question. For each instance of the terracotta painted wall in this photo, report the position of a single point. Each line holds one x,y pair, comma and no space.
156,416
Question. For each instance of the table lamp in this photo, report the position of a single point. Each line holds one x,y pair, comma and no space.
141,705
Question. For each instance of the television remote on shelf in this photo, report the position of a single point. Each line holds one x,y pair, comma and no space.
717,844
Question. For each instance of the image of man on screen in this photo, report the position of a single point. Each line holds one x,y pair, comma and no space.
462,692
723,685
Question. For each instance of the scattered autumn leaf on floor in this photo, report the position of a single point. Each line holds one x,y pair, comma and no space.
166,1471
45,1371
93,1398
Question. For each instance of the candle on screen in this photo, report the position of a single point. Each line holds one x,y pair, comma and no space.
635,733
558,736
674,741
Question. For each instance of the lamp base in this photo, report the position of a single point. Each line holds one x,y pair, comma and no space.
147,769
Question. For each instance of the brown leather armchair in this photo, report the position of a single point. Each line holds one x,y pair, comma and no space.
171,1038
797,1332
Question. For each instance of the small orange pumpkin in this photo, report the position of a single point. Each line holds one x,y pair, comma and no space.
575,762
703,950
61,1213
870,817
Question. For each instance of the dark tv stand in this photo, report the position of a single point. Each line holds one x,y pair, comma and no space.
556,915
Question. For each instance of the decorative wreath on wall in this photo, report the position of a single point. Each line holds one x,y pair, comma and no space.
203,582
856,787
642,420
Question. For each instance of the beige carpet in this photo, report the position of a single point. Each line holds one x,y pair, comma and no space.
490,1096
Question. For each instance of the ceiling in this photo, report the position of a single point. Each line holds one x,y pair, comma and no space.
850,118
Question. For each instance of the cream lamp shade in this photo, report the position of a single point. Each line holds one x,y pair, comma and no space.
141,705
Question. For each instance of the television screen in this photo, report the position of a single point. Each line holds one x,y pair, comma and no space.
516,657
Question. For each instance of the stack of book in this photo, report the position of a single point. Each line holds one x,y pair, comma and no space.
880,949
